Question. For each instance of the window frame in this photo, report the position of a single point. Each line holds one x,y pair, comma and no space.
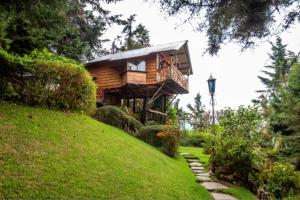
136,62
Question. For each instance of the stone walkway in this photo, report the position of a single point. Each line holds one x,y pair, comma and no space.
204,178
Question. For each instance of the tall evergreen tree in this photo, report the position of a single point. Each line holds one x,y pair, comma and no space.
275,80
70,27
197,113
134,37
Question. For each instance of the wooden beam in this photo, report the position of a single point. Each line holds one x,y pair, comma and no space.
156,93
171,101
157,112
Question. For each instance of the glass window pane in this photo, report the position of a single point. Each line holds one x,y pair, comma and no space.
142,66
131,66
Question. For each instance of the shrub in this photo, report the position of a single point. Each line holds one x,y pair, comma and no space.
170,139
234,149
47,80
114,116
149,134
196,139
281,180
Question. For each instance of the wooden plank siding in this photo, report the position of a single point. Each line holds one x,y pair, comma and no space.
107,75
151,63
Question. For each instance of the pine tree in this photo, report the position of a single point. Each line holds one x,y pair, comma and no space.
134,37
197,112
70,27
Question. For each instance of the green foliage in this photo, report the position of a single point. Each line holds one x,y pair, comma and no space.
69,27
134,38
115,116
281,180
149,134
196,139
197,114
234,148
170,138
48,80
275,81
242,21
290,112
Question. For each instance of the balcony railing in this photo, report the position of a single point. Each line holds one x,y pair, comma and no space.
171,72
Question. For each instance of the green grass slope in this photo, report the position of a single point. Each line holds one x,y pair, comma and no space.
49,154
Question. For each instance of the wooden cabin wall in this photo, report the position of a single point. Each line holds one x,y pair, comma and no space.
151,64
107,75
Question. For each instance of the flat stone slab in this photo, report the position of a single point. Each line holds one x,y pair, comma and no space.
197,168
220,196
184,154
204,174
195,164
210,186
198,171
192,160
203,178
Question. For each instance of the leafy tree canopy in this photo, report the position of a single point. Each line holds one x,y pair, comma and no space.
73,28
235,20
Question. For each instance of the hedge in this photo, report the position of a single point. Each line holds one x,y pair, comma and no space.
149,134
114,116
47,80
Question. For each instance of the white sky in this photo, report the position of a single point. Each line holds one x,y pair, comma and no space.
236,72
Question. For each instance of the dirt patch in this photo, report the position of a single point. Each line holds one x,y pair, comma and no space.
2,116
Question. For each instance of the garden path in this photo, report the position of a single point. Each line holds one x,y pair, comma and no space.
204,178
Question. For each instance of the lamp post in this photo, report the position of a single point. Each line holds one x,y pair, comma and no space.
212,87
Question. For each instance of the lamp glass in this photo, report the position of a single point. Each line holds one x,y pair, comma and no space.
211,85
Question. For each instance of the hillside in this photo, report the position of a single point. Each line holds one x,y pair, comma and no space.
50,154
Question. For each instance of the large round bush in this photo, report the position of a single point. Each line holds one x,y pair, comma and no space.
48,80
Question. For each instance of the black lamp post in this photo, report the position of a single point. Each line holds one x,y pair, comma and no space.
212,87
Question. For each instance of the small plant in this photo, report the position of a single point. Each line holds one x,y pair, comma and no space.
281,180
170,139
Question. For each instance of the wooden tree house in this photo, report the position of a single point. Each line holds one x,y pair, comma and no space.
149,73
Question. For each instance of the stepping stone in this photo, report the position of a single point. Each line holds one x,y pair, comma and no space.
190,157
210,186
197,168
204,174
220,196
198,171
192,160
195,164
184,154
202,178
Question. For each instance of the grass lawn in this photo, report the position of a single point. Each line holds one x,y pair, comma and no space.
196,151
239,193
53,155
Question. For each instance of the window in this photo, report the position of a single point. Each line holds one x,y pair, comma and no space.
136,66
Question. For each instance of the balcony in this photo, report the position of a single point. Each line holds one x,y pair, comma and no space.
170,72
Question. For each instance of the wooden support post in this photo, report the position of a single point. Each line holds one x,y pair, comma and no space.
133,106
128,101
145,107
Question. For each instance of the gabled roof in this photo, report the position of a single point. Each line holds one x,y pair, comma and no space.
175,46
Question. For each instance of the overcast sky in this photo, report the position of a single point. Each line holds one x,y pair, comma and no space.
236,72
